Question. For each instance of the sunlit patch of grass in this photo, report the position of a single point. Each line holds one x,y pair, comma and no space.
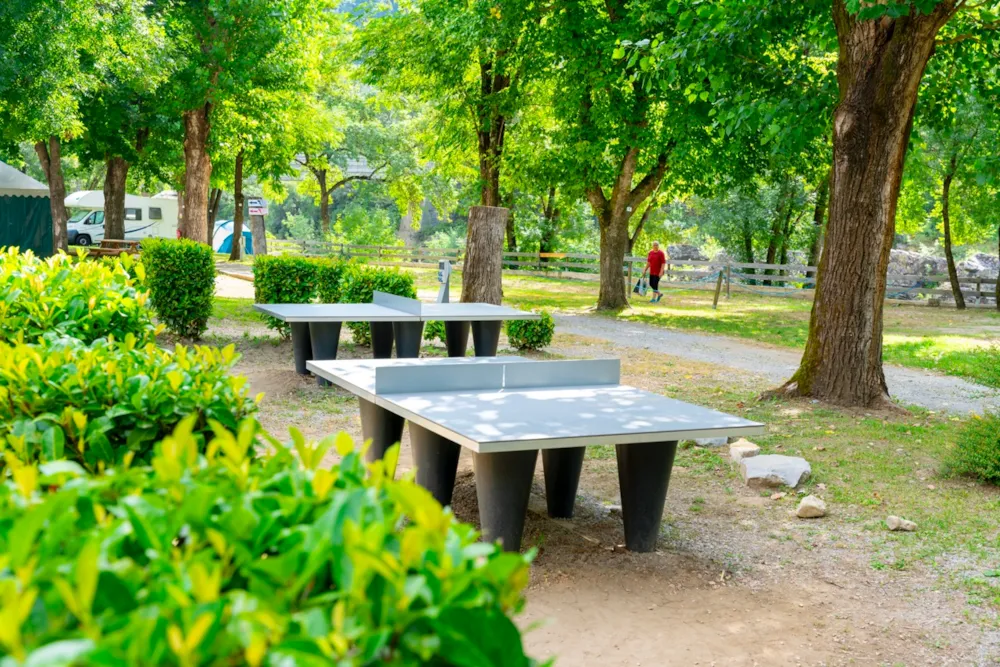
235,310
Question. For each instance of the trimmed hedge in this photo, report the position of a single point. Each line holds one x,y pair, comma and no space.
531,334
74,297
97,403
359,284
330,279
180,276
209,560
283,279
977,450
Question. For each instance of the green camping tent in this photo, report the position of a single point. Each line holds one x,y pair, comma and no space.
25,215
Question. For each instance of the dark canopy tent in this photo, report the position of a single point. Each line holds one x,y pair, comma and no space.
25,215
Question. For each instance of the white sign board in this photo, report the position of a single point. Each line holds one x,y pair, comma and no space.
256,206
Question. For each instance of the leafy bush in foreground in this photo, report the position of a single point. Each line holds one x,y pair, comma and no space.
531,334
212,561
283,279
434,331
83,299
359,285
180,275
95,404
977,450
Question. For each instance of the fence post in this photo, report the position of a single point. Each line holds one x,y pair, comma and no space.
718,290
628,283
729,277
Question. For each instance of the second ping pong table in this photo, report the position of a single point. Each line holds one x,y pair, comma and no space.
505,410
393,320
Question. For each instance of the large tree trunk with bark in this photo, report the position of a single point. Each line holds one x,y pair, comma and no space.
197,173
956,287
49,154
214,197
511,231
879,70
550,223
482,269
114,197
237,251
819,214
613,214
324,202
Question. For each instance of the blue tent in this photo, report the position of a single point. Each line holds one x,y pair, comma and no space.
222,240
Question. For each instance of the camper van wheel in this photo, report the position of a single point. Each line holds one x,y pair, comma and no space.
83,240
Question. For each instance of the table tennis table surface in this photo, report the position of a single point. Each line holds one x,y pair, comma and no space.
391,308
535,404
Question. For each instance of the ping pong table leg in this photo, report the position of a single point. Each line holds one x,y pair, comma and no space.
301,346
503,486
407,335
436,460
325,338
644,475
381,339
382,427
562,477
486,337
456,338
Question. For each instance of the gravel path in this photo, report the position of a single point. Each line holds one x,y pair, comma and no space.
906,385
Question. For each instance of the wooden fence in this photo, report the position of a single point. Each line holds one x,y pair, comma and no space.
771,279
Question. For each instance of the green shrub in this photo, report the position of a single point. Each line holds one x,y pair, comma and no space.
180,276
329,279
531,334
212,561
434,331
73,297
360,283
977,450
282,279
97,403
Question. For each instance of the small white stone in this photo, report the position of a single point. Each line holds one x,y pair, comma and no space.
894,522
771,470
811,507
742,449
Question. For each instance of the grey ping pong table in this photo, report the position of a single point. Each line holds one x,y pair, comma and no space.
506,410
393,319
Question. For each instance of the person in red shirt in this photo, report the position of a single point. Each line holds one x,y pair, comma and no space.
656,263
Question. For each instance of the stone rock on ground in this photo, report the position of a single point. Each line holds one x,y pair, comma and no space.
811,507
742,449
773,470
894,522
711,442
684,251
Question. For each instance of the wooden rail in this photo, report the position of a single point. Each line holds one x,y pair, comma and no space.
780,279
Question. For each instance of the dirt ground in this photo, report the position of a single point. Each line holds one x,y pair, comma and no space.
736,580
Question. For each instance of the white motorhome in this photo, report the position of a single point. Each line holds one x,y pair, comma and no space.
145,217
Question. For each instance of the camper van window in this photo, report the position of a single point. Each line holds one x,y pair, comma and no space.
96,219
133,214
78,216
155,213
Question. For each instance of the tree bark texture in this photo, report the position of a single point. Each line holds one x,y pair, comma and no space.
956,287
490,133
613,214
324,202
237,251
550,223
483,265
214,197
819,214
197,173
511,231
114,197
259,235
879,70
49,154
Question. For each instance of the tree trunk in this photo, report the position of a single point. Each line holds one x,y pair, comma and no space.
197,173
819,213
511,232
324,202
956,287
879,70
259,235
781,219
181,218
50,157
483,265
550,222
237,251
614,242
214,197
642,224
114,197
748,255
